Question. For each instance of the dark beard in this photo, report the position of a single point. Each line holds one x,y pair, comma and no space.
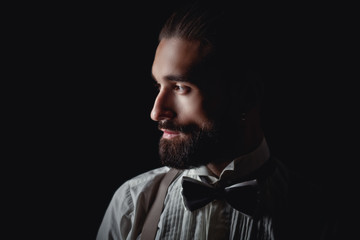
196,146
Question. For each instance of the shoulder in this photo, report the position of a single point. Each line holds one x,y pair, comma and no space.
140,183
146,177
304,210
129,205
136,192
300,189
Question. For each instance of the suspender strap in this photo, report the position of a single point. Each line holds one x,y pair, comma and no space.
152,219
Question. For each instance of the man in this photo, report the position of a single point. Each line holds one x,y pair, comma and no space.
208,108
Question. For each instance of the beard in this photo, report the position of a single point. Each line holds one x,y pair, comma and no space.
196,146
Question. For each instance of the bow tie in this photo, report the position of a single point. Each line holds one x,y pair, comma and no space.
242,196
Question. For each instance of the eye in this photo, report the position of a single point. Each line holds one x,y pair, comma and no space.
181,89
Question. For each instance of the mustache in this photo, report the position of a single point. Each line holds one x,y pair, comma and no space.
169,125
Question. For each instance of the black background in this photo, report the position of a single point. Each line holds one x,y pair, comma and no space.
84,100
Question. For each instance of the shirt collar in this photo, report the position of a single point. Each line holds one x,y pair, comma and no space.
239,167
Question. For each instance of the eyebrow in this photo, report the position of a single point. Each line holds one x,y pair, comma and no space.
174,78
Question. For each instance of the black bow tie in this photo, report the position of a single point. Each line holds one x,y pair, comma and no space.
242,196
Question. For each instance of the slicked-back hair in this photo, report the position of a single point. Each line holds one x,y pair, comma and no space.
233,35
193,22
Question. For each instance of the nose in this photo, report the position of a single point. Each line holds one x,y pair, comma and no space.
162,109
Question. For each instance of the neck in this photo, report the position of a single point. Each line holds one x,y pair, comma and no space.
218,166
252,136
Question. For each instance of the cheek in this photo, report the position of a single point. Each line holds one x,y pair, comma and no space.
192,110
217,106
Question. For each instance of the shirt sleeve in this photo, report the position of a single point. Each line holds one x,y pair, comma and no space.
117,222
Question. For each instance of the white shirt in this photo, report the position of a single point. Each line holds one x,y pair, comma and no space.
125,215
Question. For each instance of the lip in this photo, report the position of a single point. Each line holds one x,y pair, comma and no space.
168,134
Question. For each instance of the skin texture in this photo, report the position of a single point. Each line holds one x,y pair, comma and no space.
183,102
179,101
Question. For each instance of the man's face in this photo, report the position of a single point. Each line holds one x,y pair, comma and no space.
180,106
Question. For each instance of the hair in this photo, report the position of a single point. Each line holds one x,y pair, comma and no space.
233,37
193,22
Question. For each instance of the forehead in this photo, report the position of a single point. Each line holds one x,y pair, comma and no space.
177,56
